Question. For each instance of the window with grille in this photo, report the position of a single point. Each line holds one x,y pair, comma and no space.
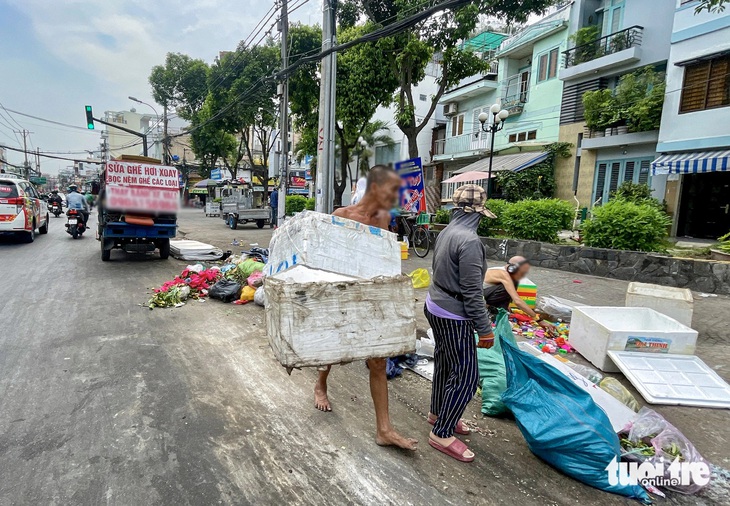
706,85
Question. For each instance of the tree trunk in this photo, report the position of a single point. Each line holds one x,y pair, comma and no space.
411,134
340,187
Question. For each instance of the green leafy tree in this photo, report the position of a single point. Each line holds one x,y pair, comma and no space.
180,83
209,141
436,38
537,182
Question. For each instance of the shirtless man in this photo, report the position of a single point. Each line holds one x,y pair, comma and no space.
383,186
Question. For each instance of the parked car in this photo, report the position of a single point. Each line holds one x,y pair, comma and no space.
22,211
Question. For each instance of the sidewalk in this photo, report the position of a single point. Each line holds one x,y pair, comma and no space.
504,462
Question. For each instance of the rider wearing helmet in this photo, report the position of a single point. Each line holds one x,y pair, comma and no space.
75,200
55,198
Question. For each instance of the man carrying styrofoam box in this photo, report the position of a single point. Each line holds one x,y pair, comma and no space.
361,307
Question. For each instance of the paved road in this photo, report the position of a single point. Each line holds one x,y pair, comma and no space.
103,401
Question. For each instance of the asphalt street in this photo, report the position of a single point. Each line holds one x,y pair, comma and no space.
103,401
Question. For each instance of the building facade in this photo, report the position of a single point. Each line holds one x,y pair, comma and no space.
694,138
608,39
120,143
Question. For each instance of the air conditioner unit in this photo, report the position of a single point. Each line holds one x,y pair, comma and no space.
450,109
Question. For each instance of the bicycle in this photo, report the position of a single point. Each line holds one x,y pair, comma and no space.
419,235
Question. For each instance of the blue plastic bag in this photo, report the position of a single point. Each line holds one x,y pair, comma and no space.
561,422
492,374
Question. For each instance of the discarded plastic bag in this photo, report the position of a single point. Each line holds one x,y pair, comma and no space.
650,438
259,298
249,266
226,290
256,279
561,422
247,293
420,278
492,374
556,308
617,390
588,373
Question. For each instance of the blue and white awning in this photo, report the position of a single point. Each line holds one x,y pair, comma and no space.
692,163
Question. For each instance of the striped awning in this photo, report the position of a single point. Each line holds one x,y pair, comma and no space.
515,162
692,163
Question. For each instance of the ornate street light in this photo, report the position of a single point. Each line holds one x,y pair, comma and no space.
497,124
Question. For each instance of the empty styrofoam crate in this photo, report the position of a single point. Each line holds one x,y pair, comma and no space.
316,318
674,302
594,330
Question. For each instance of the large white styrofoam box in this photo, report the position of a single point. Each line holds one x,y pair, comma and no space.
323,241
316,318
674,302
594,330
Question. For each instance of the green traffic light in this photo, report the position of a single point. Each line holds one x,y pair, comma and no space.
89,118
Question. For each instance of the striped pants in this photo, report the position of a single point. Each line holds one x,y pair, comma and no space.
456,372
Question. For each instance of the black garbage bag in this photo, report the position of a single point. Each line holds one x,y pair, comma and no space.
226,290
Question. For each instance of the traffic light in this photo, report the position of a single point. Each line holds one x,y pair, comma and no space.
89,118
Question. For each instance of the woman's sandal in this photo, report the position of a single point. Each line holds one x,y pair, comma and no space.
456,449
459,429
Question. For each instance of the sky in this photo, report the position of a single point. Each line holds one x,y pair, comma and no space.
56,57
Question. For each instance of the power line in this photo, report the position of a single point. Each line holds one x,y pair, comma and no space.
45,155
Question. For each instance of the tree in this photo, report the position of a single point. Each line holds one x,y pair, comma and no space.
437,37
208,140
364,83
245,73
181,83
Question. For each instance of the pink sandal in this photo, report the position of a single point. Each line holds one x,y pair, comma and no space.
456,449
459,429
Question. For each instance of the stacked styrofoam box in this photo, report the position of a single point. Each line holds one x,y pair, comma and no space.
676,303
331,243
596,330
335,293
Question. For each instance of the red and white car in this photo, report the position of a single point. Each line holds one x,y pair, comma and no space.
22,210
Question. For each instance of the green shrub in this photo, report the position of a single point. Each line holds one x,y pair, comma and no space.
489,226
443,216
724,245
620,224
310,204
295,204
638,193
537,220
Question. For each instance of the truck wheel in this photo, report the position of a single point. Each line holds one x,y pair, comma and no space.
232,222
44,228
106,254
260,223
164,247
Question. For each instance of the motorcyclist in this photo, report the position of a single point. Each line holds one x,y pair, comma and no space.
74,200
55,198
89,199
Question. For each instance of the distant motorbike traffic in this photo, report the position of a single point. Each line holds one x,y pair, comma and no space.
75,224
56,209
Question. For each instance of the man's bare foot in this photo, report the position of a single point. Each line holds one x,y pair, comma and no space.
392,438
321,401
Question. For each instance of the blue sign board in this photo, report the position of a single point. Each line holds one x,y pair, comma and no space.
180,180
216,175
413,189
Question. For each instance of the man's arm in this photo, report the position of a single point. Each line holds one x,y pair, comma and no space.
509,285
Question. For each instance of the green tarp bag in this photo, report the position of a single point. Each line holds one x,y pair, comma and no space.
492,372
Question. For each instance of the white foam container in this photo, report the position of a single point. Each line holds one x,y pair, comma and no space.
676,303
594,330
331,243
316,318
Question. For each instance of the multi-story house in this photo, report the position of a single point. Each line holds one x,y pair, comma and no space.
523,79
694,138
122,143
609,39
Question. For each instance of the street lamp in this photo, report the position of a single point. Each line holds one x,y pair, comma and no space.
363,145
497,124
134,99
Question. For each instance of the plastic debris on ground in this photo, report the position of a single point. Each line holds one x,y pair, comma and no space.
189,284
618,391
194,250
650,438
553,340
420,278
226,290
394,366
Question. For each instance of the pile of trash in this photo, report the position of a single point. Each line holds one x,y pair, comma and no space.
240,281
553,339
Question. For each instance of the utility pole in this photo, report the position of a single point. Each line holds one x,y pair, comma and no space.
38,161
26,165
165,147
326,132
284,115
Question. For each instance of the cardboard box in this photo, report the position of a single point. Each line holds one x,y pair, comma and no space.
595,330
326,242
316,318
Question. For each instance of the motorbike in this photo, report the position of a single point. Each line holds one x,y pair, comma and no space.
56,209
75,224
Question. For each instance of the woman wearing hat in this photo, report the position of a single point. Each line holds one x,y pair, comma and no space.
455,310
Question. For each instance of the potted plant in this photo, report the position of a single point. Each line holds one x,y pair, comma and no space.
722,250
585,44
620,41
600,111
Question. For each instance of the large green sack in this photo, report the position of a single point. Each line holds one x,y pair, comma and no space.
492,372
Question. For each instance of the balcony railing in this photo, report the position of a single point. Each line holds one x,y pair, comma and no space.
608,44
462,145
516,92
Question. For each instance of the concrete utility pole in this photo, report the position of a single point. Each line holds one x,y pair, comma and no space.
165,147
284,114
26,165
326,132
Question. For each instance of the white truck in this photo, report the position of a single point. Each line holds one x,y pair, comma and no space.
243,204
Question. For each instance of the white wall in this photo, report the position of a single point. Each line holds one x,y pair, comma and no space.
701,129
